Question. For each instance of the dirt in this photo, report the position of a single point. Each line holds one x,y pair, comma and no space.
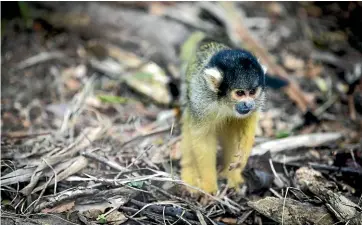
36,100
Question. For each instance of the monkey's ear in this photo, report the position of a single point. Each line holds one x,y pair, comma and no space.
213,78
264,68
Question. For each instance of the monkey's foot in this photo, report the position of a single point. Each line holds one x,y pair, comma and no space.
207,184
189,176
234,178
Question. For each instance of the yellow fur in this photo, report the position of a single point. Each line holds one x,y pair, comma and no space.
199,144
237,139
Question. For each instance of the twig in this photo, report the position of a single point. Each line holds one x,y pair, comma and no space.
319,111
274,172
244,216
346,170
35,203
15,135
289,143
284,200
357,171
191,205
158,176
77,105
351,108
158,208
40,58
65,196
138,157
78,164
104,160
231,207
138,138
275,193
55,176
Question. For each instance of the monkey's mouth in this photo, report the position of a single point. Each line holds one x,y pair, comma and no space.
243,109
242,113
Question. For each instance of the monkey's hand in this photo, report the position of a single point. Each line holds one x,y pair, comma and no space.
237,144
233,176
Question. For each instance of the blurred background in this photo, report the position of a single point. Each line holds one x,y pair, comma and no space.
100,80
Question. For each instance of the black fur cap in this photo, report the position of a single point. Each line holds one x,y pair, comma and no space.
239,69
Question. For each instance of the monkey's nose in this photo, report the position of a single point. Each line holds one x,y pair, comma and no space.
245,106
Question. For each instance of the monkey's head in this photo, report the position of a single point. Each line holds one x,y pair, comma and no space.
237,81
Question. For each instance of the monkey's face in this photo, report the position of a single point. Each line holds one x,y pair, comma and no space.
238,81
246,101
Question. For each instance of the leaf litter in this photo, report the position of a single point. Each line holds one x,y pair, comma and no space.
90,129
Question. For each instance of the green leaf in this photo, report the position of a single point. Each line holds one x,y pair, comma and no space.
102,219
25,13
282,134
5,202
112,99
143,76
136,184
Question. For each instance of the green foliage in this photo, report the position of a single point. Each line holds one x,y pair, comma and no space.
25,13
5,202
143,76
112,99
102,219
282,134
136,184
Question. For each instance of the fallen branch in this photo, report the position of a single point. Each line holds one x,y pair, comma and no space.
139,138
104,161
345,210
77,165
40,58
65,196
289,143
345,170
77,194
165,208
288,211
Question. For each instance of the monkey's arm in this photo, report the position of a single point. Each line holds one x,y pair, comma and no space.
237,139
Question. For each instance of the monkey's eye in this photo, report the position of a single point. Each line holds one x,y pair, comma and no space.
240,93
252,91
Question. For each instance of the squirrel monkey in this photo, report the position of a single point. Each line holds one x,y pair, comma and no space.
224,90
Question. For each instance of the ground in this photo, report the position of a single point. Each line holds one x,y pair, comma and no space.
89,115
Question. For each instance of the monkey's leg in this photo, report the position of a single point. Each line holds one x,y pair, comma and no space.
203,154
237,139
198,146
204,143
189,173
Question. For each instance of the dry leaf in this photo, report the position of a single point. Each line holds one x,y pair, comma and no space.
73,84
293,63
60,208
175,153
116,218
313,70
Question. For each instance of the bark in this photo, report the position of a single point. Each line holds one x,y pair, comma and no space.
344,209
289,211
